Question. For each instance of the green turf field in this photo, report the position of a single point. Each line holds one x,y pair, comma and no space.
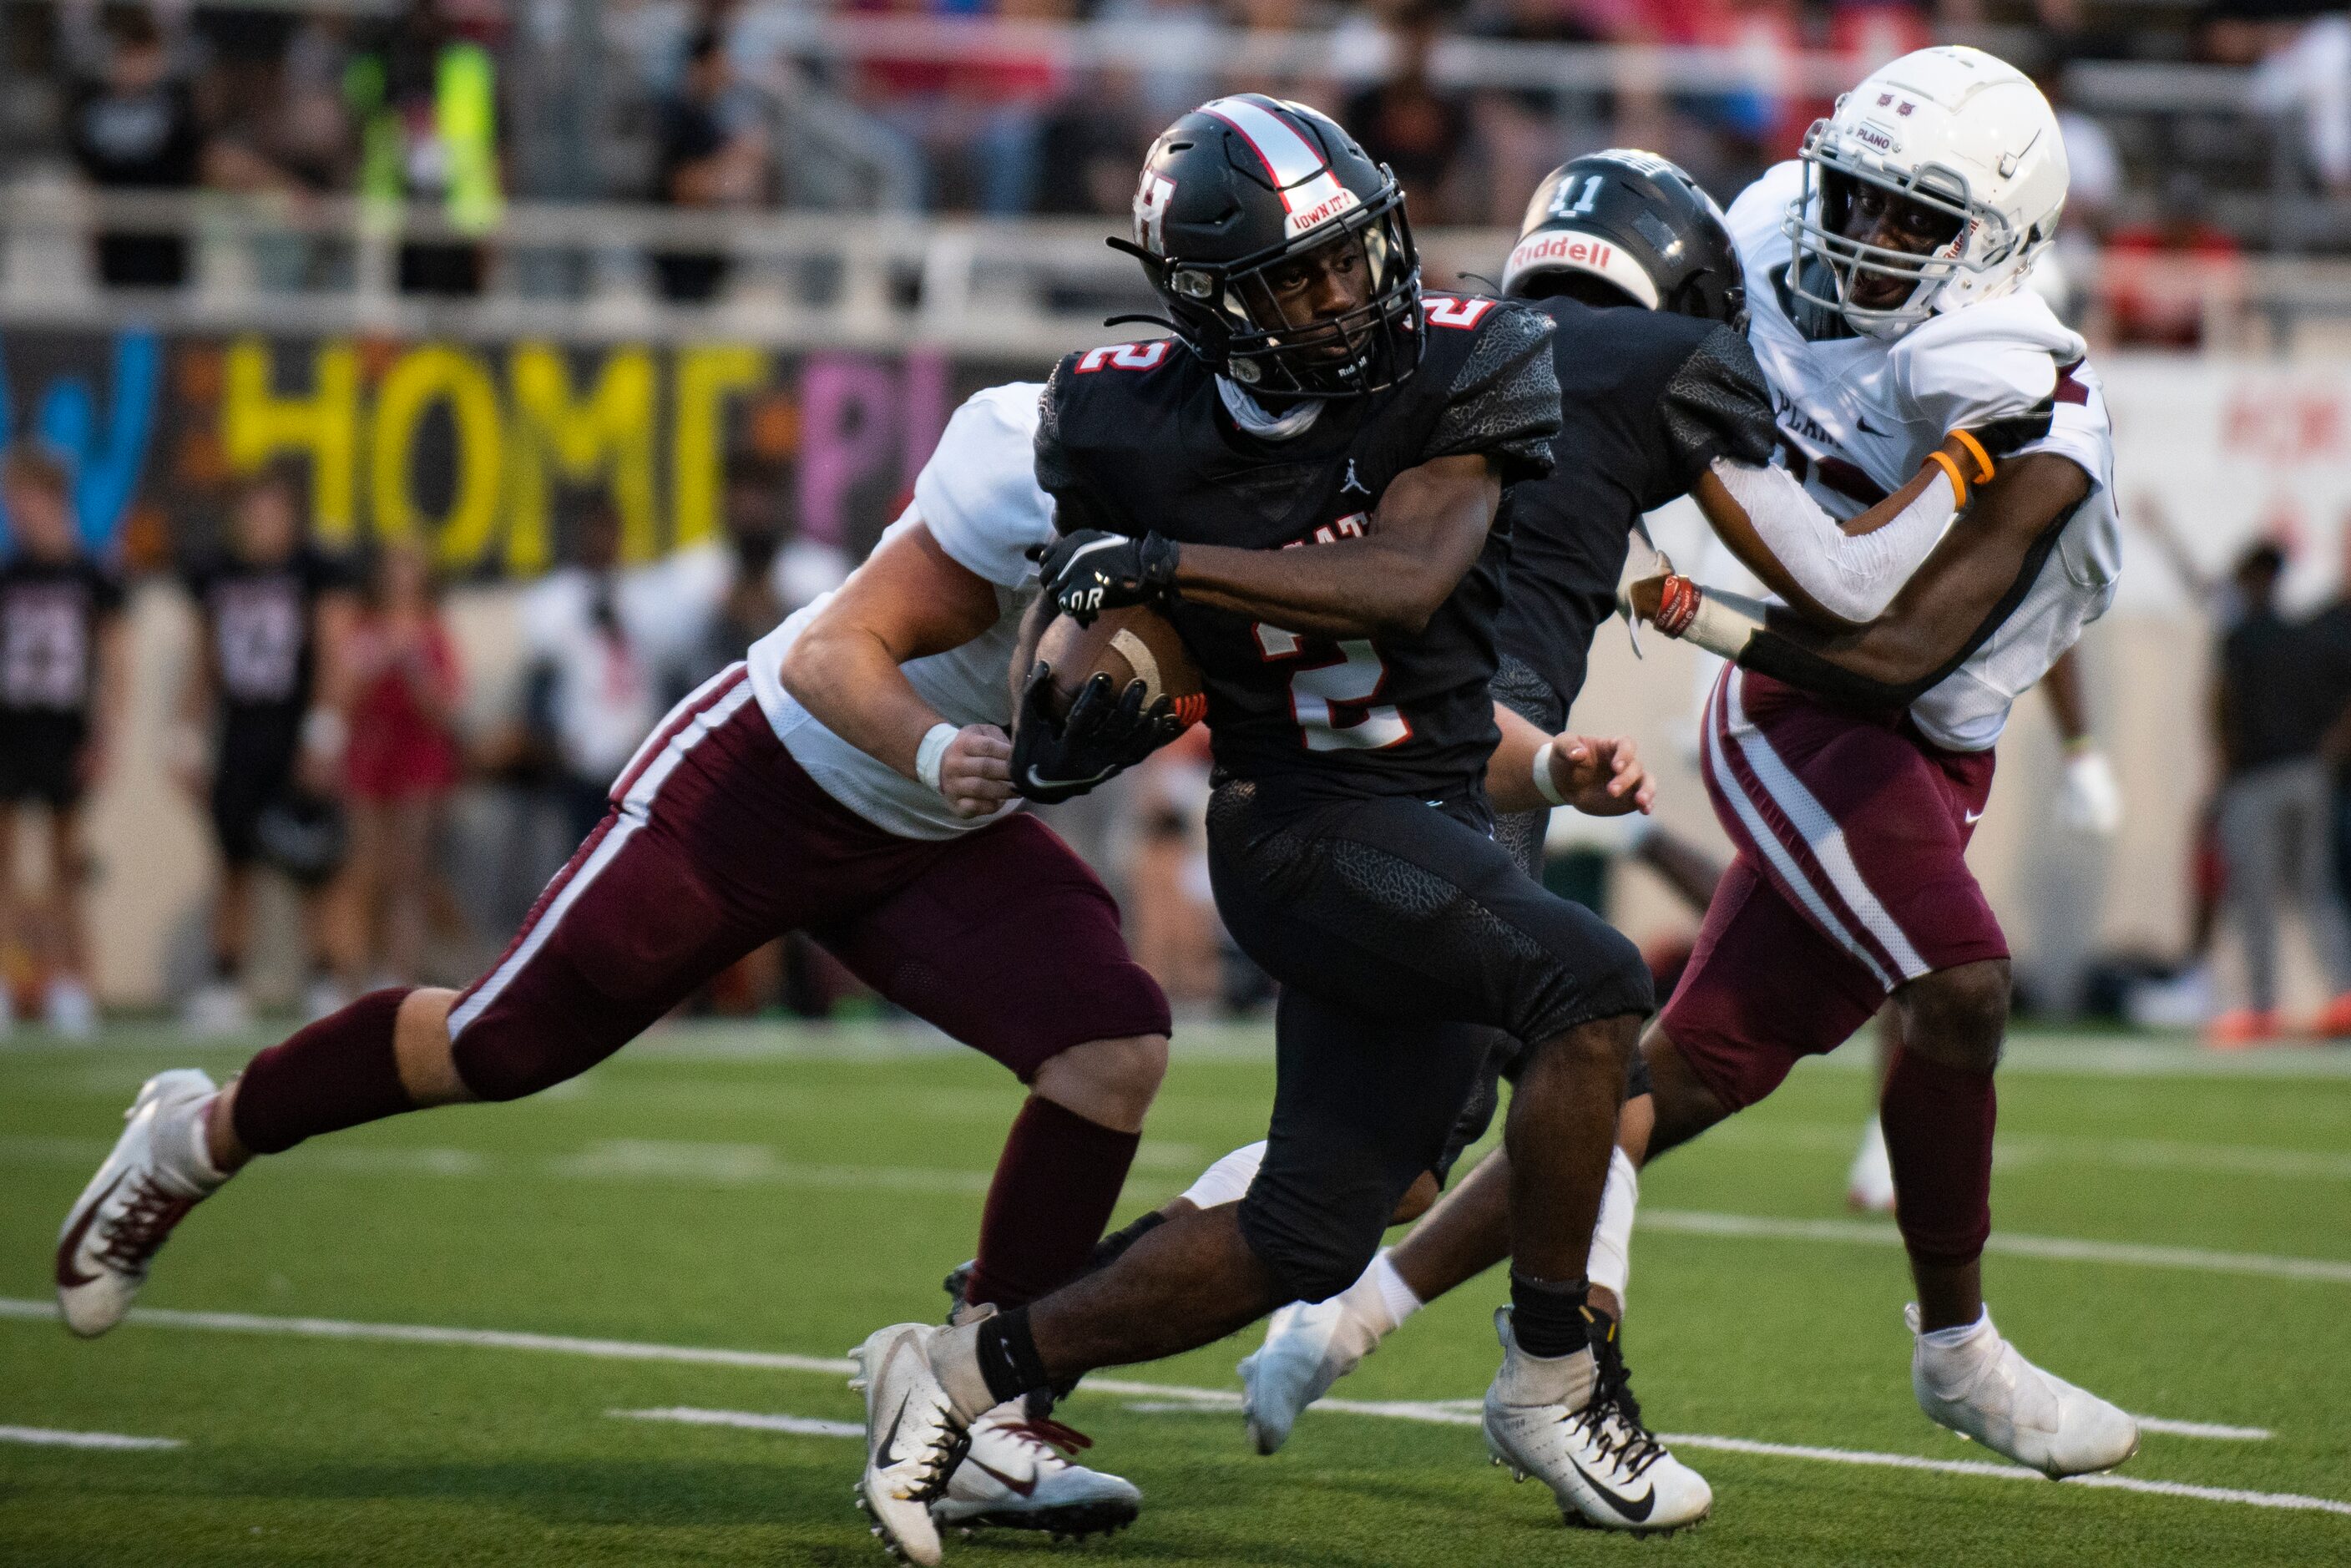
773,1191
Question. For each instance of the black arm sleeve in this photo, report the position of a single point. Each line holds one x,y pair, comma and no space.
1504,401
1717,404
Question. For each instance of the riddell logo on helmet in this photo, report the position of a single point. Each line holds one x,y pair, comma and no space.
1576,250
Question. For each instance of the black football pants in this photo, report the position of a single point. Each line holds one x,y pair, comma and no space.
1403,936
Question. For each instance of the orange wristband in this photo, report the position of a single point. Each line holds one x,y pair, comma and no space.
1959,484
1975,450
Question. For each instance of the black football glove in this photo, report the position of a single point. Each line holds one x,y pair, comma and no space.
1100,737
1092,570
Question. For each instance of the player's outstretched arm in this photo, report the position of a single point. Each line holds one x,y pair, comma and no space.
1425,536
1929,626
1834,573
1600,776
910,600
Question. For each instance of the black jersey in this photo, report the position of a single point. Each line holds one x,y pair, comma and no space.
50,612
258,622
1648,399
1138,440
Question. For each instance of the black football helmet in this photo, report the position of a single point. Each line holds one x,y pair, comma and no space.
1238,187
1627,227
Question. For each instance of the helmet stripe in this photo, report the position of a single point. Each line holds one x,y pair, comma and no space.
1286,156
1311,194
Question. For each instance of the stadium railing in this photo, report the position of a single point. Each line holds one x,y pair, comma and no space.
582,272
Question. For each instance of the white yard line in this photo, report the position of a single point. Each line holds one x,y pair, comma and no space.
49,1438
1189,1400
692,1415
1164,1396
2064,1248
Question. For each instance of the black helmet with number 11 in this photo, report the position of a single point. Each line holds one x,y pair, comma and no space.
1238,201
1628,227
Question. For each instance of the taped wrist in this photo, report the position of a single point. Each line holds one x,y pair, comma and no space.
1721,621
931,756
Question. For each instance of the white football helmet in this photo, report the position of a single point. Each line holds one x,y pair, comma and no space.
1958,130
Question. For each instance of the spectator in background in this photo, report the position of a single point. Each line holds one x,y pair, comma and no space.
713,156
1407,123
426,103
592,690
275,617
2165,279
134,128
402,761
2305,80
62,677
2271,713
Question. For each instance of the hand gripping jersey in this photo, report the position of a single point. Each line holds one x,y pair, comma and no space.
1137,440
1648,399
978,496
1857,415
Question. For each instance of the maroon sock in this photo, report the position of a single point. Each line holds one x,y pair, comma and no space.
1938,1122
1056,1183
335,1073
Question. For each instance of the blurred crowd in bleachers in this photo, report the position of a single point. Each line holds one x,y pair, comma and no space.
776,104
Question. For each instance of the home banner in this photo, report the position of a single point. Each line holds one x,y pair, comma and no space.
479,449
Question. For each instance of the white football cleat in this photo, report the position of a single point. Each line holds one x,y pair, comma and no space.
914,1439
1985,1390
157,1173
1309,1347
1869,1184
1017,1476
1607,1470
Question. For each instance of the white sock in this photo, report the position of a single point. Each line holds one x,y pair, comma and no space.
1226,1180
1546,1379
186,1151
1611,1267
1376,1303
954,1361
1944,1342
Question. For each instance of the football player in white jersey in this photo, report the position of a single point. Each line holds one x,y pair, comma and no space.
1848,750
851,777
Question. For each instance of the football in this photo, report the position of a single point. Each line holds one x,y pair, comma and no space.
1135,643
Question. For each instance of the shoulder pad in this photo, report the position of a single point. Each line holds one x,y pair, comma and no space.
1717,404
1982,362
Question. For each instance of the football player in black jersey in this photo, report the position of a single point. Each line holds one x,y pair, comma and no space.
275,614
1304,480
62,679
1589,218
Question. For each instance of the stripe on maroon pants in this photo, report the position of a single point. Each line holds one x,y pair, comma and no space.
1801,858
703,697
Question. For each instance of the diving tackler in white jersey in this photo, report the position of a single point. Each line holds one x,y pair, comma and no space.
1961,133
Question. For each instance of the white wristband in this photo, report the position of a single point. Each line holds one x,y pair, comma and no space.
1543,786
933,752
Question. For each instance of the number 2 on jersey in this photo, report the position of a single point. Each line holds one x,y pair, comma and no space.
1330,690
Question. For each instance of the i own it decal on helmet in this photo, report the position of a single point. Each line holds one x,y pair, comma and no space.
1123,357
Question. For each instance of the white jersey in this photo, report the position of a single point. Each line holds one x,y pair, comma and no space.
978,497
1858,415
